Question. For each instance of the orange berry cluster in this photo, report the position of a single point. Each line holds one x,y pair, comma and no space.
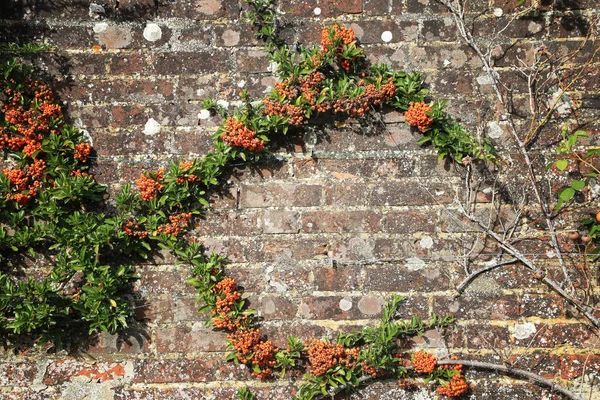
238,134
372,96
227,296
424,363
294,113
251,349
31,115
183,176
246,341
323,356
417,116
333,38
78,172
132,229
456,387
150,186
177,225
82,151
31,112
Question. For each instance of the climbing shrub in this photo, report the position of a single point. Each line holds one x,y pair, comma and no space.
53,206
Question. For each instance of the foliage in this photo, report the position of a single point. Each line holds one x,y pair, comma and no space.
52,205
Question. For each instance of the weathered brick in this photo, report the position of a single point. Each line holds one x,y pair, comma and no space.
404,277
204,369
168,310
66,370
337,278
403,193
274,195
573,366
122,393
186,340
88,64
275,308
230,222
340,221
17,373
135,340
439,30
480,307
182,63
127,64
252,60
198,10
369,32
280,222
329,8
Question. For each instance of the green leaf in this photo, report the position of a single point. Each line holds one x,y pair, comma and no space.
562,164
567,194
578,185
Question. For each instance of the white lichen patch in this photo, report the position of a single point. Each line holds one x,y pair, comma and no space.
426,242
345,304
152,127
204,114
152,32
415,264
100,27
387,36
523,331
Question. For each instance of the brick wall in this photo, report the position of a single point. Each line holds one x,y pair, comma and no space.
317,242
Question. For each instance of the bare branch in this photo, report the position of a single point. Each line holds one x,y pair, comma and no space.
461,288
514,371
458,14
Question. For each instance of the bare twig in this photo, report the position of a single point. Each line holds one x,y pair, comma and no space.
458,13
461,288
529,264
514,371
477,365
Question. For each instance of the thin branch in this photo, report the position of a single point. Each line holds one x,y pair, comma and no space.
539,272
478,365
461,288
514,371
458,14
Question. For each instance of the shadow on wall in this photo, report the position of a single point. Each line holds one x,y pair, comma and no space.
125,10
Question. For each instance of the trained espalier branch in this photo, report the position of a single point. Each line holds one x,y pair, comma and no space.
51,202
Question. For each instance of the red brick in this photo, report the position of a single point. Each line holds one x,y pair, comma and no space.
338,278
127,64
203,369
276,308
199,62
485,336
406,277
329,8
340,221
17,373
199,10
186,340
66,370
480,307
576,335
274,195
573,366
